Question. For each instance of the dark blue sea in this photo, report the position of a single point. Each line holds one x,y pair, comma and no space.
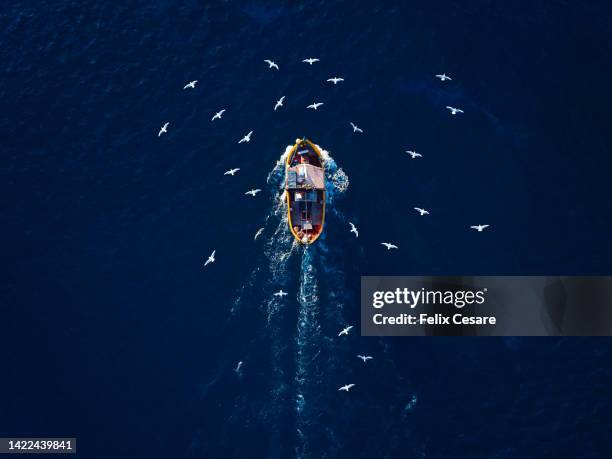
111,329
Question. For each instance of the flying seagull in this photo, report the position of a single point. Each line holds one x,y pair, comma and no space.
365,358
279,103
191,84
454,110
354,229
345,331
311,60
258,233
246,138
389,246
421,211
356,128
414,154
163,129
238,367
253,192
479,228
280,293
443,77
218,115
315,105
347,387
211,259
231,171
335,80
272,64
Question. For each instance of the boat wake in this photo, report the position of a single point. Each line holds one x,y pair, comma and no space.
301,359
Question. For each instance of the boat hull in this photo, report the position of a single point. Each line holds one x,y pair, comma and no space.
305,191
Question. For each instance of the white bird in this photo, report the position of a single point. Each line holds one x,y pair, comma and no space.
231,171
163,129
237,369
335,80
246,138
347,387
211,259
365,358
253,192
191,84
421,211
258,233
272,64
218,115
479,228
354,229
345,331
279,103
311,60
414,154
315,105
356,128
280,293
443,77
389,246
454,110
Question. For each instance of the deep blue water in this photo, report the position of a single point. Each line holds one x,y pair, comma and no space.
112,331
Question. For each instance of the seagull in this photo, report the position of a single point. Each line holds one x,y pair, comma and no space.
237,369
218,115
311,60
246,138
253,192
211,259
355,128
279,103
272,64
231,171
443,77
454,110
280,293
335,80
365,358
389,246
191,84
421,211
479,228
258,233
315,105
414,154
354,229
347,387
163,129
345,331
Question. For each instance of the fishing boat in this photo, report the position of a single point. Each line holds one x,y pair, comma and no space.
305,191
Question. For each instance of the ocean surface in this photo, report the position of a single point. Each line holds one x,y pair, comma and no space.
112,331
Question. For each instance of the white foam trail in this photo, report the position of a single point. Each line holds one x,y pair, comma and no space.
307,338
272,272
